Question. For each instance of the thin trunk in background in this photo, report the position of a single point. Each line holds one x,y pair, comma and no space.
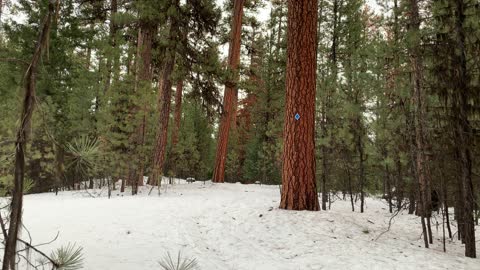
113,45
326,106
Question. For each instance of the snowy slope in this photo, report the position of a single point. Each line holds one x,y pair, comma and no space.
231,226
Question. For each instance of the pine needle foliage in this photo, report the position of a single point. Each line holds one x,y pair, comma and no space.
68,257
84,153
180,263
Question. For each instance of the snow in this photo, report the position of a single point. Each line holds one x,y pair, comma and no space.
231,226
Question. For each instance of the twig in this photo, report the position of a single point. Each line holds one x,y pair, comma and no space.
47,243
389,223
4,231
39,252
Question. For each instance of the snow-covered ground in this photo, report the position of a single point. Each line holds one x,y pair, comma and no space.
231,226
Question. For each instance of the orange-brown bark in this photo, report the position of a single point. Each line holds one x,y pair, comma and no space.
299,190
164,102
230,95
143,81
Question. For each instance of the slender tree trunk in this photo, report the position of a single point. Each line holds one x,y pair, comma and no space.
324,178
388,181
326,106
21,141
113,44
165,99
463,131
122,185
400,183
59,167
445,199
299,190
230,95
419,109
411,200
350,189
360,150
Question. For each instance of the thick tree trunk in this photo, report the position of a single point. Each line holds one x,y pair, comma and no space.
21,141
299,189
178,112
463,132
164,100
230,95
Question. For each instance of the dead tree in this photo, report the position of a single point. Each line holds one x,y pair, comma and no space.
21,141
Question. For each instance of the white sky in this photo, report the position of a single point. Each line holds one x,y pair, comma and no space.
264,13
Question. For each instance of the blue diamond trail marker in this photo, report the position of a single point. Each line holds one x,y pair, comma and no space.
297,116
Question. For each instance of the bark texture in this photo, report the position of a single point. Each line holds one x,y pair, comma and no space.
143,81
299,190
21,141
164,100
230,95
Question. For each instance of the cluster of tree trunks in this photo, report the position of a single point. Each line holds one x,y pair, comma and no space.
462,133
143,80
420,143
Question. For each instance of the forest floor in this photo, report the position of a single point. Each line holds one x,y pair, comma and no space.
232,227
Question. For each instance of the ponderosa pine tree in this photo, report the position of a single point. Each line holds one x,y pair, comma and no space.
299,189
165,93
230,93
146,35
189,46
